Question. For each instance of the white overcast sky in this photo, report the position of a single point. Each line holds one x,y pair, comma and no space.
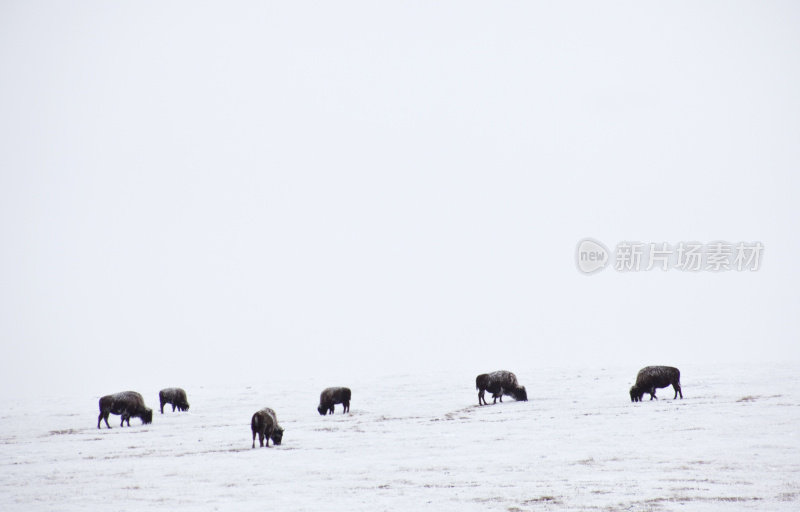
193,190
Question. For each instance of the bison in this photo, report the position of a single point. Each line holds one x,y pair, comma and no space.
499,383
332,396
652,377
265,424
128,404
174,396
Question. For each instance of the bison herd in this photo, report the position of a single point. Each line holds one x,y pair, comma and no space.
264,423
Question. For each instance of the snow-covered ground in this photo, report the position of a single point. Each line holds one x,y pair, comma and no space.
421,442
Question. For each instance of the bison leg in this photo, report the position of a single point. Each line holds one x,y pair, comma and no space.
173,407
345,406
653,394
481,400
333,407
261,437
105,417
162,407
254,439
677,388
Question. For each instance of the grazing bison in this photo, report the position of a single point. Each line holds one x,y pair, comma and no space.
333,396
652,377
174,396
499,383
127,404
265,424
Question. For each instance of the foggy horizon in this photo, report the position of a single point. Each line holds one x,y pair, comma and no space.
261,191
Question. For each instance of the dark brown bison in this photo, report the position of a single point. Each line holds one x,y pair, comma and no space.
499,383
332,396
651,378
128,404
265,424
174,396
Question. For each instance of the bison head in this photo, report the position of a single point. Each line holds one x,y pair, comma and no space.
636,394
184,406
520,394
277,435
147,416
322,411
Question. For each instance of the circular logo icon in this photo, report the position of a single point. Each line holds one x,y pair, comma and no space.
591,256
